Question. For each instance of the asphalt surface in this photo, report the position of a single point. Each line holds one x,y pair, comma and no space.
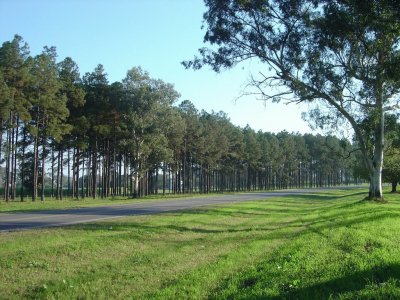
62,217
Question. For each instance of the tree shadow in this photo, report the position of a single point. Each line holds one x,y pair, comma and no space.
366,284
326,219
129,226
345,215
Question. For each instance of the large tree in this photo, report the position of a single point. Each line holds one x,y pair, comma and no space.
143,104
14,104
71,88
49,110
341,55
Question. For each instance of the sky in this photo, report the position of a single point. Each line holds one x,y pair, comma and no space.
154,34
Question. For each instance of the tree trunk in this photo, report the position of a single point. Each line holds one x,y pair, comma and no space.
36,157
136,186
68,173
375,186
88,177
23,164
61,172
94,170
99,180
58,174
394,185
7,154
1,143
125,190
83,175
76,176
35,169
164,177
137,171
52,171
15,159
108,169
12,155
114,164
43,168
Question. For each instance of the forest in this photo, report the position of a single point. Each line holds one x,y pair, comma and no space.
67,135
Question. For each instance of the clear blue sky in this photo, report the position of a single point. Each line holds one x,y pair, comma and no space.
154,34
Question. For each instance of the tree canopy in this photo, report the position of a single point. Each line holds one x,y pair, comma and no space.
341,56
67,135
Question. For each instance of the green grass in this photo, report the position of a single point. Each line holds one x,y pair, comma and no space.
68,202
328,245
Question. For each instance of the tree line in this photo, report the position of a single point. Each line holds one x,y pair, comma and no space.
63,134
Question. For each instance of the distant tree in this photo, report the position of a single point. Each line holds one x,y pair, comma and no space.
391,170
252,155
14,104
96,110
145,98
49,110
289,152
71,88
193,142
4,102
342,55
174,131
232,157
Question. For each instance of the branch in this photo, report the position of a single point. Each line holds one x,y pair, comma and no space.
338,153
391,107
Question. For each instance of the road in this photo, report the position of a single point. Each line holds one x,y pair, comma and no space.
62,217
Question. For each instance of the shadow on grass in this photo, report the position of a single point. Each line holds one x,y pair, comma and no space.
329,196
379,282
343,214
316,220
277,230
161,229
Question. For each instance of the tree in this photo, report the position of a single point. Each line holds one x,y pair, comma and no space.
69,77
192,140
49,108
252,155
4,101
145,98
96,110
14,104
343,56
173,128
391,171
14,78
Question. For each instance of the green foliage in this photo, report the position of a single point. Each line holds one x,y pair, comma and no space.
341,56
113,139
391,171
49,107
4,97
15,79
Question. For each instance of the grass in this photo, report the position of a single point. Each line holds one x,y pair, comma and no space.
68,202
327,245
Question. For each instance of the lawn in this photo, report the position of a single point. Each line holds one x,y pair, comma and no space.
69,202
330,245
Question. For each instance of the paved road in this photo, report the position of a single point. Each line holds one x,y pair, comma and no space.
51,218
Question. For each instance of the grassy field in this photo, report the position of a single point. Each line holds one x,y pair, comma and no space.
52,203
330,245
